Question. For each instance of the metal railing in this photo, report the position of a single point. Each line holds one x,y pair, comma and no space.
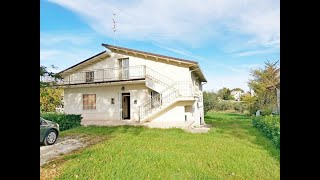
165,97
158,77
151,105
185,88
104,75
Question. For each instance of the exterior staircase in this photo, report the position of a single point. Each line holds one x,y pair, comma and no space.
169,91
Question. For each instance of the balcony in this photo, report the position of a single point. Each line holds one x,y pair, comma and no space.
105,75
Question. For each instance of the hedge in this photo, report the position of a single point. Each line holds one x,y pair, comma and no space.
270,126
65,121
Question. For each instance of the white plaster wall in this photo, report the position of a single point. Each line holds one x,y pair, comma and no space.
104,109
175,72
155,85
175,114
196,113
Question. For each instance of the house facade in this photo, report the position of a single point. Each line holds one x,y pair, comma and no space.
236,95
122,84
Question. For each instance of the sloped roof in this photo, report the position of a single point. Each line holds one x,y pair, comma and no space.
193,65
115,48
83,62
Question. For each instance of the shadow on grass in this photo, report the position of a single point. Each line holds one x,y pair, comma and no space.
240,126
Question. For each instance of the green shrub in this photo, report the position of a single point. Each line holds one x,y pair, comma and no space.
211,101
65,121
238,106
266,112
270,126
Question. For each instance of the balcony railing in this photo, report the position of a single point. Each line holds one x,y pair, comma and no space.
105,75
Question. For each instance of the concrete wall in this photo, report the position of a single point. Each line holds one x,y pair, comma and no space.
104,109
175,114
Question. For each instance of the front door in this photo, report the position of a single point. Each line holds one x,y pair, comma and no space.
125,105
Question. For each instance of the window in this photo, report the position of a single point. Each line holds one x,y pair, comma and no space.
112,100
89,101
90,76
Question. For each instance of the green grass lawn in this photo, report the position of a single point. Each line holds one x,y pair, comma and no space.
233,149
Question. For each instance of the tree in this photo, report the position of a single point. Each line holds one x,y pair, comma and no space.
262,79
50,97
250,103
224,94
210,99
237,89
48,78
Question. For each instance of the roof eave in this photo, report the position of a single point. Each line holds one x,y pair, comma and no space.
146,54
81,63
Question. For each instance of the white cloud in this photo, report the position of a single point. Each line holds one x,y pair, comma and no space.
62,58
48,54
187,21
54,38
253,52
179,51
64,49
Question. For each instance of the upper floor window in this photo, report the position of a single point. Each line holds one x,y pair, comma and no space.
90,76
89,101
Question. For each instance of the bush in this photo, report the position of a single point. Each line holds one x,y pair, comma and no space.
270,126
238,106
211,101
250,103
266,112
65,121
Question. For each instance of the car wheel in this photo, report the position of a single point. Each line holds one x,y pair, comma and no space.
51,137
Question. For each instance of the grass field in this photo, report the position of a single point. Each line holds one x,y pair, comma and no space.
233,149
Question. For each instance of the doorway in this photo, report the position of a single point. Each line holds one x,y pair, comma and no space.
125,105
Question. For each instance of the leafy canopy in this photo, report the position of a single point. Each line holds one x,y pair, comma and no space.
263,78
50,97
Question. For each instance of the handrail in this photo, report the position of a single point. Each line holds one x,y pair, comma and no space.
155,75
164,97
106,74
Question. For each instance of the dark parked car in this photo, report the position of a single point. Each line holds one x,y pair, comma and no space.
49,132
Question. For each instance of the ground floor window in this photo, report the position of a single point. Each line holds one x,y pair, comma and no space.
89,101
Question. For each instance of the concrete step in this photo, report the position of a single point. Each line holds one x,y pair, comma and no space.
199,130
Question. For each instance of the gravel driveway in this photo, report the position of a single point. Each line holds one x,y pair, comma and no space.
62,146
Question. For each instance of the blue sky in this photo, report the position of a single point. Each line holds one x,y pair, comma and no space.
227,37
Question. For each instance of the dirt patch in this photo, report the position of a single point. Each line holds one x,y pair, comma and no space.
51,157
64,146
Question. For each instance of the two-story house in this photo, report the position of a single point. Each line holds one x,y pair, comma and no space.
122,84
